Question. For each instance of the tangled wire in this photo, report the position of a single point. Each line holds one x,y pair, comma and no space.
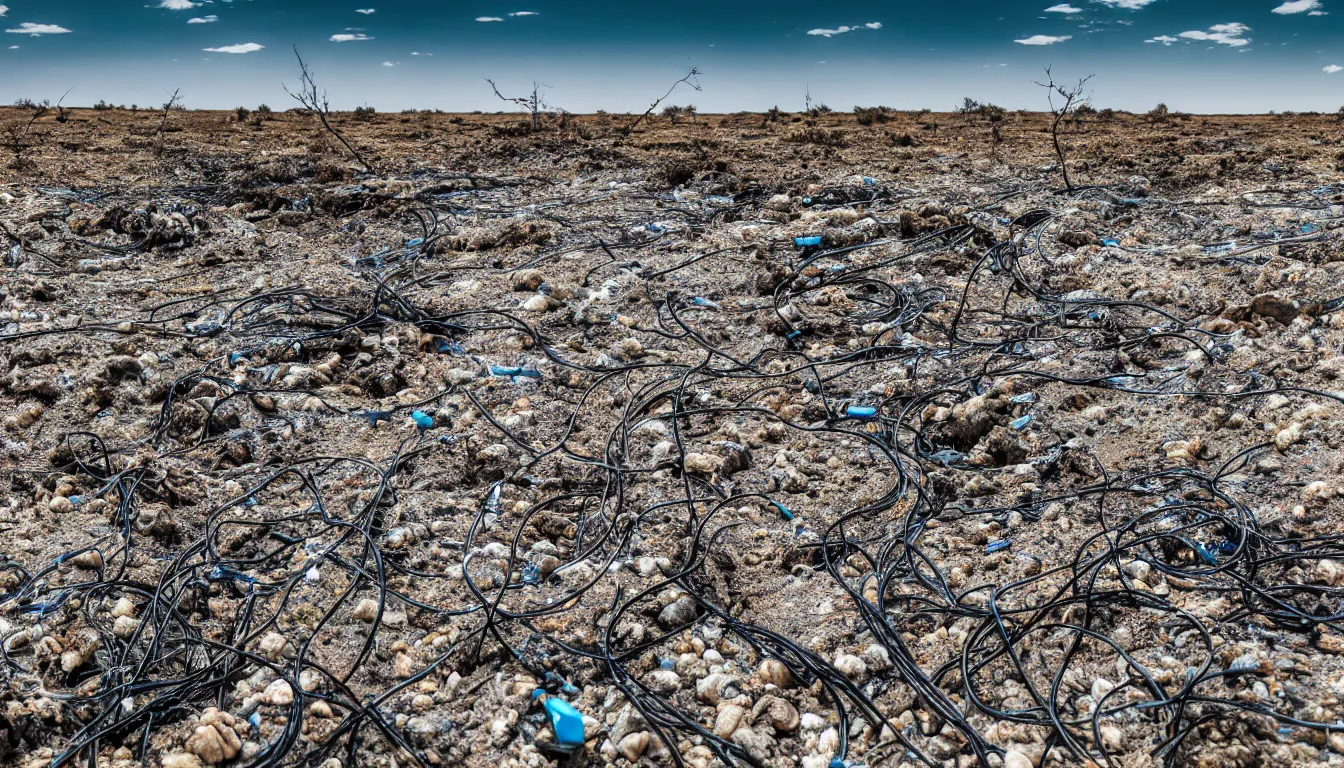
931,402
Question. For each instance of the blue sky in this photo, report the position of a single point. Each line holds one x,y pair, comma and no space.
1195,55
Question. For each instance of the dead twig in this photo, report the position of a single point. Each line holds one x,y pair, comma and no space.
689,79
1073,99
315,99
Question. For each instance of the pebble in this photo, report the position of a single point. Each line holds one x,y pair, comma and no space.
851,666
633,745
679,612
60,504
278,693
1015,759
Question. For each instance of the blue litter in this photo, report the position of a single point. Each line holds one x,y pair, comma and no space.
998,546
869,181
234,357
448,347
1307,229
1020,423
566,721
784,511
376,416
807,242
415,242
703,302
793,334
1026,397
531,573
15,252
860,412
947,456
1204,553
1110,241
254,720
76,500
656,228
513,373
667,663
807,201
423,421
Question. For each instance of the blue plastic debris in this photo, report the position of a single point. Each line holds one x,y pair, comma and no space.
513,373
807,242
566,721
998,546
784,511
1307,228
837,762
656,228
254,720
1020,423
234,357
1111,242
1025,397
423,421
807,201
531,573
795,333
376,416
869,181
667,663
15,251
947,456
860,411
448,347
415,242
700,301
1204,553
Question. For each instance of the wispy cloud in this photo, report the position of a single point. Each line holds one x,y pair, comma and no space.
1043,39
523,13
236,48
1331,69
1223,34
4,9
346,37
1063,8
488,19
1297,6
843,30
1164,39
366,11
177,5
38,30
388,64
211,19
1129,5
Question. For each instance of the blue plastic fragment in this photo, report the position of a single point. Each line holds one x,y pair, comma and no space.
423,421
448,347
1204,553
513,373
414,242
566,721
376,416
1307,228
869,181
531,573
807,242
1025,397
1020,423
947,456
795,333
76,500
254,720
998,546
784,511
234,357
666,663
807,201
837,762
1110,241
860,411
700,301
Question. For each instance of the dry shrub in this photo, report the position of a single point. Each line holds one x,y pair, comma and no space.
329,170
819,136
512,233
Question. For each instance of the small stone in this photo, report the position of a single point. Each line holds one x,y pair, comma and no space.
1014,759
422,703
780,714
366,610
633,745
664,681
851,666
679,612
705,463
123,607
272,643
278,693
180,760
728,720
124,626
60,504
775,672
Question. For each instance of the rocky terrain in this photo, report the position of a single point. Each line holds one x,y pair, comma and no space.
770,440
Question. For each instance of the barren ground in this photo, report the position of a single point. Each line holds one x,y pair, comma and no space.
304,465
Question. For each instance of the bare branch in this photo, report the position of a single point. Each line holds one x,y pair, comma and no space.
314,99
689,79
1072,99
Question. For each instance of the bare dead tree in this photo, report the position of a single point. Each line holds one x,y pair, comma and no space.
315,100
1073,98
173,102
20,137
689,79
63,114
533,103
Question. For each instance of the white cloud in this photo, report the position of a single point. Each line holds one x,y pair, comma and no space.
13,47
1043,39
348,38
211,19
1063,8
843,30
1129,5
236,48
4,9
523,13
486,19
37,30
1297,6
1164,39
388,64
177,5
1223,34
366,11
1331,69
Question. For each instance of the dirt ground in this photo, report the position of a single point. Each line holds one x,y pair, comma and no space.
771,440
